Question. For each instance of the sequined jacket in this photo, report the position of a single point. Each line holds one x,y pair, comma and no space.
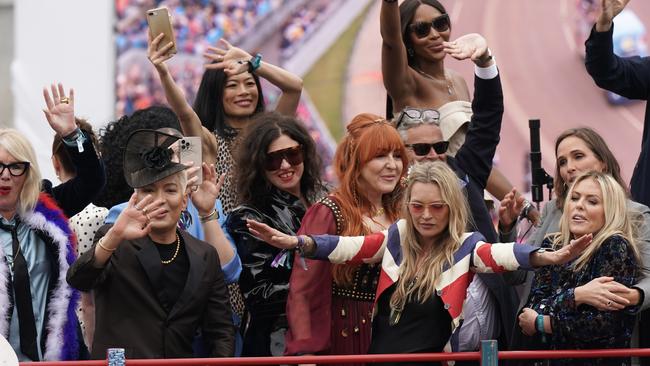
584,327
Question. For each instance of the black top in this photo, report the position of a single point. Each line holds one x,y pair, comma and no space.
422,328
128,306
75,194
265,287
174,274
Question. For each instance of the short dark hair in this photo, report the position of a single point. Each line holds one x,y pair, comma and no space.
208,104
264,129
112,141
59,150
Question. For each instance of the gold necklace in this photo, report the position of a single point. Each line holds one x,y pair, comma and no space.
178,247
450,90
380,211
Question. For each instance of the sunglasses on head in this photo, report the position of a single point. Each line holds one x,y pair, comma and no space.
15,169
411,115
434,207
422,29
423,149
293,156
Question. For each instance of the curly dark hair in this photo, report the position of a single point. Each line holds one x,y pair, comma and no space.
112,142
251,155
208,103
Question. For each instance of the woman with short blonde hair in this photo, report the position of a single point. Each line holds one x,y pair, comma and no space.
17,145
36,249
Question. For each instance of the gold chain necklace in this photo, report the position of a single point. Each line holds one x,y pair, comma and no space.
178,247
450,89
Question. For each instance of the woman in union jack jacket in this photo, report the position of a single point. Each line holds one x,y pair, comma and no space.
427,261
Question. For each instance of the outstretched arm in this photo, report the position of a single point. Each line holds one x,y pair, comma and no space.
234,61
477,153
627,76
190,122
90,178
398,80
336,249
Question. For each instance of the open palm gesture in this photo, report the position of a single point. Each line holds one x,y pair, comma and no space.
135,220
231,59
206,193
608,10
60,110
472,46
570,252
272,236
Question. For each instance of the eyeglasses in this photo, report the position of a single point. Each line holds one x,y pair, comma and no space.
423,149
411,115
292,155
422,29
434,207
15,169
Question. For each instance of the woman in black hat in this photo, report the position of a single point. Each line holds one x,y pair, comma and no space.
144,269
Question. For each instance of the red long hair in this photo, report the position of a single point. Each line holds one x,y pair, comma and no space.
368,136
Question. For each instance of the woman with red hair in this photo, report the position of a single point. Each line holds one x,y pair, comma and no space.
330,306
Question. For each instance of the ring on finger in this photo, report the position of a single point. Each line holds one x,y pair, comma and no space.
65,100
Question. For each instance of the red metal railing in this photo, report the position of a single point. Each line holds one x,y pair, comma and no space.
461,356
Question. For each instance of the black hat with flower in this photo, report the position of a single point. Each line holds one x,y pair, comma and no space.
150,156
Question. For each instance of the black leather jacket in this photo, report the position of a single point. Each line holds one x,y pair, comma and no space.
265,288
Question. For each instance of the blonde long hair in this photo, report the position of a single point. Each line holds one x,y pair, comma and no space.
17,146
417,282
618,220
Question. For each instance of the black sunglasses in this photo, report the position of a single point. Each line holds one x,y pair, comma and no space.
423,149
15,169
422,29
293,156
416,115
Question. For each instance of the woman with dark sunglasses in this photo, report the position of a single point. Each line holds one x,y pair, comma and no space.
415,43
330,306
278,178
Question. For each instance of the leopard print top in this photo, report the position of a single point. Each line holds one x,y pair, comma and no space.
225,164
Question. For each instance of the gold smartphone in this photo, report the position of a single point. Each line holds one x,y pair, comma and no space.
160,21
